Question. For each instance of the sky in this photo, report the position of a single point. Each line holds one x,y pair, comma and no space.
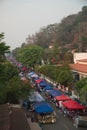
21,18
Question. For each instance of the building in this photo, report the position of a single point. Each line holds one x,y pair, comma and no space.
79,56
13,118
79,68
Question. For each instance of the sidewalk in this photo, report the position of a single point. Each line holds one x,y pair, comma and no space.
33,125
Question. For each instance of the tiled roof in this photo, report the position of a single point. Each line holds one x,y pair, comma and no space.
83,60
79,67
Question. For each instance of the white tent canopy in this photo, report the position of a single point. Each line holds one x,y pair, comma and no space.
36,97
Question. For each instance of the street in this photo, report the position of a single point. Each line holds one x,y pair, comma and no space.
63,123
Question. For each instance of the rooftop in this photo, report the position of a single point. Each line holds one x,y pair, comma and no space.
82,60
14,121
79,67
4,117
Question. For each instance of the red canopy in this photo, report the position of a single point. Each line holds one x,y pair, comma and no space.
24,69
39,80
73,105
62,97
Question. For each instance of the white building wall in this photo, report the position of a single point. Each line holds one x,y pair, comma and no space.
79,56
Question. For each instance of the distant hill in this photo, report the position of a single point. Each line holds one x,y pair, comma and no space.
70,34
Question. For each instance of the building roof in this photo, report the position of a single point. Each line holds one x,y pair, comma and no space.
82,60
79,67
13,121
4,117
18,120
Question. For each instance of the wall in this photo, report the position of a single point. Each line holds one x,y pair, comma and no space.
79,56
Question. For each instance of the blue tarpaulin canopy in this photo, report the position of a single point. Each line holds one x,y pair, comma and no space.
43,83
43,107
48,87
54,93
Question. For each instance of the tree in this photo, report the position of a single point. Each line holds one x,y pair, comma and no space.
60,74
11,87
65,76
83,93
30,55
15,90
10,71
3,48
68,58
81,88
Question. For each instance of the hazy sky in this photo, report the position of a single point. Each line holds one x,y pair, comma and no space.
20,18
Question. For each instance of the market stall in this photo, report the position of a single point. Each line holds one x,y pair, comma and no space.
53,93
72,108
47,87
36,97
39,80
45,112
73,105
61,98
42,84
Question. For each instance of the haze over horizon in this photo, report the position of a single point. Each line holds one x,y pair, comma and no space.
20,18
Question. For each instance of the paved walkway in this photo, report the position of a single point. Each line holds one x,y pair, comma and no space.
33,125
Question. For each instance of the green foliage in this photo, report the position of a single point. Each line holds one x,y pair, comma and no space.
3,48
68,58
60,74
7,71
13,90
50,71
16,89
10,71
81,88
30,55
80,84
2,97
65,76
83,93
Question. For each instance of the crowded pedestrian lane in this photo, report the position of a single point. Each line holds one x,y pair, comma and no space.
63,122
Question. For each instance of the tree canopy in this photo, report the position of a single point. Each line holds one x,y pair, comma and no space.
60,74
3,48
30,55
81,88
68,34
11,88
